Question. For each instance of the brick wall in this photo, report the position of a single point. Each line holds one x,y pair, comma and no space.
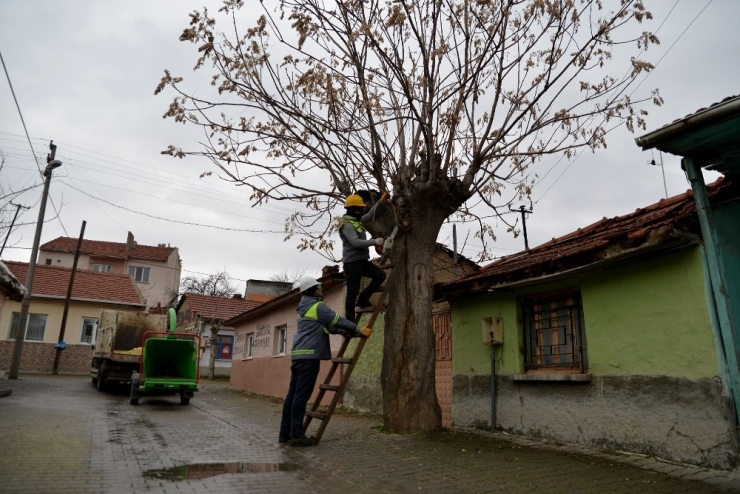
39,357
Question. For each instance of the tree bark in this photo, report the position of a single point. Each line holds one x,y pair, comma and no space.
409,396
215,328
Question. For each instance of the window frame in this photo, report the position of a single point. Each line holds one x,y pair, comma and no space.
107,268
250,345
221,343
538,311
281,340
94,331
144,270
15,320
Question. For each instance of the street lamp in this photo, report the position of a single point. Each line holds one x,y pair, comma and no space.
20,331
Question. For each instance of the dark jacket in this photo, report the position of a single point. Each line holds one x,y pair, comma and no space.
315,321
355,244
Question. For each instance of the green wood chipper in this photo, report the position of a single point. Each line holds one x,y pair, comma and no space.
168,364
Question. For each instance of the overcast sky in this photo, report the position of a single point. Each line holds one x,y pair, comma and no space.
84,74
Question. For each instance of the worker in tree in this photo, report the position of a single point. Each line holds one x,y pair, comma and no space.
310,347
356,255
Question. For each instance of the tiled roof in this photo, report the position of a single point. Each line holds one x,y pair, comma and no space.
109,249
52,281
222,308
599,241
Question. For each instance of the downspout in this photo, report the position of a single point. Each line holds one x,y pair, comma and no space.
493,386
716,278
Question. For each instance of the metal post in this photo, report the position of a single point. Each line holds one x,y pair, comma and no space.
20,333
524,212
524,226
60,342
10,228
454,251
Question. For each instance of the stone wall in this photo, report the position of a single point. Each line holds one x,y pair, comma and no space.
678,419
39,358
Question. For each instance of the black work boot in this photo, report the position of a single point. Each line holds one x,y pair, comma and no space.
303,441
284,438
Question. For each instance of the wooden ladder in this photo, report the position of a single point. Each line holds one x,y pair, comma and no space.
340,359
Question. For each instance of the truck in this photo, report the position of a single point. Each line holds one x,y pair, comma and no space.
117,350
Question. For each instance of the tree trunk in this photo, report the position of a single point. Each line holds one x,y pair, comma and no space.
409,397
215,328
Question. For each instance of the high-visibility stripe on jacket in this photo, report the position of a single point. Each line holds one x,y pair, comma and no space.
315,322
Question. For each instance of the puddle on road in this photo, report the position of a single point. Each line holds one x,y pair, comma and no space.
205,470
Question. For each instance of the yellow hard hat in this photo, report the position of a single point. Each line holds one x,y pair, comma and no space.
354,201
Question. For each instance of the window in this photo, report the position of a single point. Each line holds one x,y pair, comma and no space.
553,331
47,262
250,344
224,347
89,325
139,274
281,340
35,327
103,268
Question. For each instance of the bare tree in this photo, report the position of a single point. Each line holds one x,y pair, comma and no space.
289,275
217,284
447,104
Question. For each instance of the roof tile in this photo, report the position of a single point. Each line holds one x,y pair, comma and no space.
223,308
109,249
90,285
574,248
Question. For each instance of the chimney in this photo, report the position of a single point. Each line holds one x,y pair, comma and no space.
130,241
238,296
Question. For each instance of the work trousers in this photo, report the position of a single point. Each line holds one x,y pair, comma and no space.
355,271
303,374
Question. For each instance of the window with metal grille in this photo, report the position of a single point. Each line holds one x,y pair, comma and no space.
35,326
553,332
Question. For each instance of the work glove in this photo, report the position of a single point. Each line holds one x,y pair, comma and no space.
365,332
379,241
385,197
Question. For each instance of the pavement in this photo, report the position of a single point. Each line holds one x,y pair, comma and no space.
58,434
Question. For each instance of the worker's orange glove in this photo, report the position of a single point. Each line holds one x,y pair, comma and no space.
365,332
385,197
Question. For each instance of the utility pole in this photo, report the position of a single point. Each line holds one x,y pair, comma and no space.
60,343
652,162
524,212
10,229
20,333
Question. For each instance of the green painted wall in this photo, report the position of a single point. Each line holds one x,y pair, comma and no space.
648,317
371,359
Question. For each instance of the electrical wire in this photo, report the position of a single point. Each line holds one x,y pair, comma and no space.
633,91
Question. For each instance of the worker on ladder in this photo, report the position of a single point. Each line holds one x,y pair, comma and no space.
310,346
356,255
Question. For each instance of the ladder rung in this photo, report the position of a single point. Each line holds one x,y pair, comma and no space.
329,387
342,360
387,266
316,415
